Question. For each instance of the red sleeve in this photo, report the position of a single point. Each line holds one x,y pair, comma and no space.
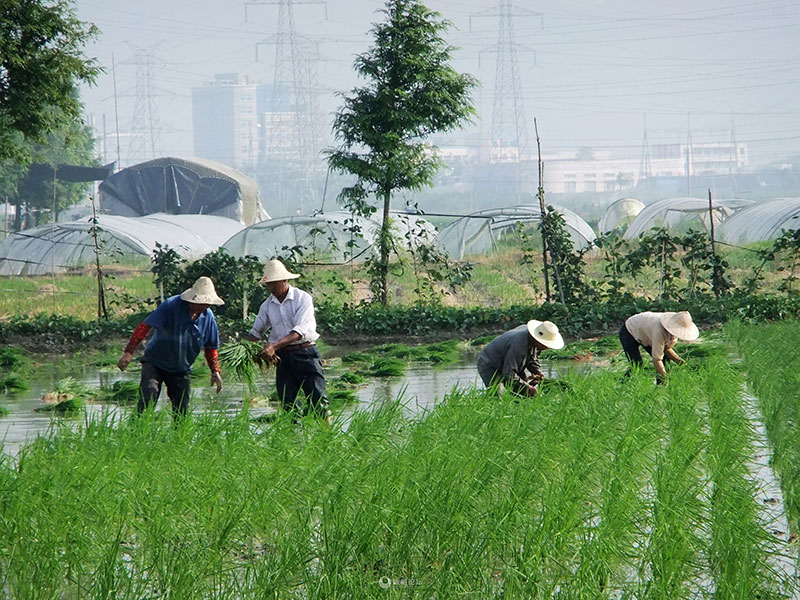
137,336
212,358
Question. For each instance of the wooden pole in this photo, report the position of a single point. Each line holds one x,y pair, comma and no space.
715,275
101,297
543,211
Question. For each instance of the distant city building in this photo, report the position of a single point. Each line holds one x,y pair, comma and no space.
230,116
600,172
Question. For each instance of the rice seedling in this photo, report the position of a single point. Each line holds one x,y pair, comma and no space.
771,354
592,489
384,367
119,392
240,358
12,359
12,383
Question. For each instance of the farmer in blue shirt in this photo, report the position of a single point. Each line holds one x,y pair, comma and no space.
183,326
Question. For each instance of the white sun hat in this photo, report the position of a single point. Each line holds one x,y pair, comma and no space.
202,292
680,325
546,333
275,271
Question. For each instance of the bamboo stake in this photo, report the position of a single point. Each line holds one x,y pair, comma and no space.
543,211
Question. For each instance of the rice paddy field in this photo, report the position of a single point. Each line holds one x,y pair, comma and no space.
599,487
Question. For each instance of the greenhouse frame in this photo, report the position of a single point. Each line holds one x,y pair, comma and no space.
63,247
620,214
668,212
761,222
478,232
336,237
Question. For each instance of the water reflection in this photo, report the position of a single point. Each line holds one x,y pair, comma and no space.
421,388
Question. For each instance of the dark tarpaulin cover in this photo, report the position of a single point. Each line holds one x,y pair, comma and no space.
170,189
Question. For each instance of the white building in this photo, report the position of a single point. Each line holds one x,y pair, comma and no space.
600,172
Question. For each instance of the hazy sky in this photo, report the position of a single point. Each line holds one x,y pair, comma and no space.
589,70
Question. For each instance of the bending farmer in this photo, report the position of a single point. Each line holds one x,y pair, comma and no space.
183,326
288,314
657,333
513,357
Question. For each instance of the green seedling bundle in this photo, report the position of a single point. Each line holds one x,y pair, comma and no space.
603,488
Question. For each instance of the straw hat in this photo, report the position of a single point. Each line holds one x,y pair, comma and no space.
546,333
202,292
275,271
680,325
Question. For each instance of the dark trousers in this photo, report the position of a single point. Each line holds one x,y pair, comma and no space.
630,346
297,370
178,389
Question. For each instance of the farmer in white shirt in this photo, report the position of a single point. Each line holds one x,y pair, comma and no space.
288,315
657,333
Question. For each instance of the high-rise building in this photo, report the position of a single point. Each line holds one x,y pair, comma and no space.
230,118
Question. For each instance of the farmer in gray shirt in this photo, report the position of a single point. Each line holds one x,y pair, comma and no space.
512,359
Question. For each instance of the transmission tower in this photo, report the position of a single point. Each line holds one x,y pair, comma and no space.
645,169
145,140
509,138
293,137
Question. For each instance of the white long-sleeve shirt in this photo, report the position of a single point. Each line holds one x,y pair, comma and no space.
295,313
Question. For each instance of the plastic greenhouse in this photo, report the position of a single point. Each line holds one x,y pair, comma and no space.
479,232
619,214
670,212
762,221
182,186
330,237
60,247
334,237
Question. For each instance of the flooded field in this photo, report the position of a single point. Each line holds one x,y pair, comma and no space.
419,389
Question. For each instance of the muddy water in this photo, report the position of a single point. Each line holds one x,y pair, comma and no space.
419,389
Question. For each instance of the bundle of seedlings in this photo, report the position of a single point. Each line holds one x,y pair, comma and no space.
69,396
119,392
241,357
12,362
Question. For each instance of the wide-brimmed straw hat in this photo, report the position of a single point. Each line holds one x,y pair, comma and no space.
680,325
202,292
275,271
546,333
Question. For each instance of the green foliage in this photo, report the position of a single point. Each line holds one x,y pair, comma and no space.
567,265
167,268
3,412
786,250
231,276
411,93
614,248
41,65
658,249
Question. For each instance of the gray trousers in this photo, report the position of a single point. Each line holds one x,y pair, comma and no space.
179,388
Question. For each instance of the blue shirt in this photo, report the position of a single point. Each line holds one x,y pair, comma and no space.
177,340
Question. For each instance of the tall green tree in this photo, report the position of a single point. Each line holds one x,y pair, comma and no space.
41,64
410,93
